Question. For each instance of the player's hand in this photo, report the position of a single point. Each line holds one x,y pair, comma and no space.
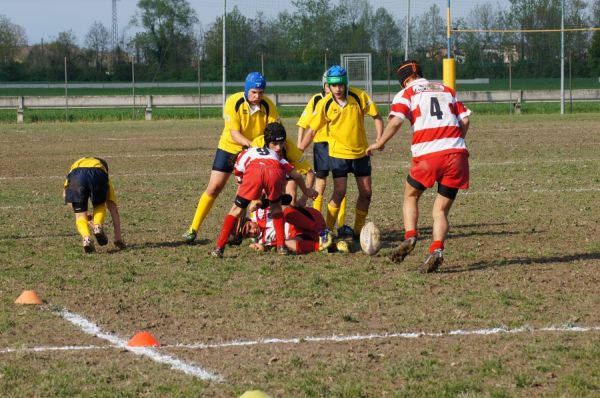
257,246
311,193
373,147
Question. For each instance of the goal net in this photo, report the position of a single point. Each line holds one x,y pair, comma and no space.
359,71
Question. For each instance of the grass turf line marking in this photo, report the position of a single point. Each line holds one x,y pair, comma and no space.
55,348
175,363
405,335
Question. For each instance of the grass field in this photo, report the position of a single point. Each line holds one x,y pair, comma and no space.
513,312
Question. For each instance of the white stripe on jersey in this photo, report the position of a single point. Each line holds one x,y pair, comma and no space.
442,144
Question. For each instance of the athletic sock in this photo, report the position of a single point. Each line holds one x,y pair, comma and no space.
279,229
436,244
204,205
318,203
332,213
228,225
341,218
410,234
82,227
99,214
359,220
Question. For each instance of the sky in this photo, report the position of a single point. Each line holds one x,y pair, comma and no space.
44,19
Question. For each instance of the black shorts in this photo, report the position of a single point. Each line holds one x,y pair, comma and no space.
321,159
86,183
342,167
224,161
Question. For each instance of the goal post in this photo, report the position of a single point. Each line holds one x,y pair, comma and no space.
359,70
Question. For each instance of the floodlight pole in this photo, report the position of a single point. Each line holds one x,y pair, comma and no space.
224,55
407,31
562,57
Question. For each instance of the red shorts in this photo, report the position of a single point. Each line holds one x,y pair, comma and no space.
261,178
304,221
450,170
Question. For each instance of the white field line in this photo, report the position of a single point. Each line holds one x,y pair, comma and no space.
175,363
378,336
312,339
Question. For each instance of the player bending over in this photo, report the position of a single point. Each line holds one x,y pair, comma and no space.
88,180
262,170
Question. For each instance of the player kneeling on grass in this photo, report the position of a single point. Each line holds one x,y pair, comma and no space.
88,180
439,154
305,229
261,170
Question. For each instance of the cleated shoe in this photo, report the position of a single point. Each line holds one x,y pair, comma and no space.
345,231
189,236
88,245
325,240
432,261
119,244
217,252
404,249
283,250
100,235
342,247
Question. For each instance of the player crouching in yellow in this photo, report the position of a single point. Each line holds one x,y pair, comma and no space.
88,180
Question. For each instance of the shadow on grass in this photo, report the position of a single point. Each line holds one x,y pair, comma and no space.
396,236
481,265
178,243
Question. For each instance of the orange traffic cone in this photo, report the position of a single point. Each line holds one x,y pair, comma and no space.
28,297
143,339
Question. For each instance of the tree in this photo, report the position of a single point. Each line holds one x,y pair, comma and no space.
12,40
97,40
167,44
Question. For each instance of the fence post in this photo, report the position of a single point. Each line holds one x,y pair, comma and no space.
148,114
519,103
20,110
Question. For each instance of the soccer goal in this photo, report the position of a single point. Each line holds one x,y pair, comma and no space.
359,71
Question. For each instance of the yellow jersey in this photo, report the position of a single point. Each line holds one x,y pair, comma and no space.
346,123
94,163
240,117
321,135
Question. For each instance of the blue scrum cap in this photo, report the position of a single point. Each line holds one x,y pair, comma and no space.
254,80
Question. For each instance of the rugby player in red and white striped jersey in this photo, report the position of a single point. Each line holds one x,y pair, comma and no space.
439,154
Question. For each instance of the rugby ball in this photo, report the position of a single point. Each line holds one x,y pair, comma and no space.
370,242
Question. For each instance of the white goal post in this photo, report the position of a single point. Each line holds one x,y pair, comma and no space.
359,71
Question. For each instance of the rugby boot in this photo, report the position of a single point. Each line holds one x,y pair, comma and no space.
403,249
88,245
432,262
189,236
100,235
342,247
217,252
345,231
325,240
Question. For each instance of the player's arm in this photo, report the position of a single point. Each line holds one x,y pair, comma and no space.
310,192
378,121
307,139
300,135
390,130
116,219
238,137
464,126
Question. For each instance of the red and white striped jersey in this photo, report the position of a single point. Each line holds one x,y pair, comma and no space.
434,112
264,219
251,157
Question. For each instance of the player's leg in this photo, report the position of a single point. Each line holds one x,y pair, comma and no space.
321,164
410,212
221,170
441,208
339,170
237,210
291,188
363,202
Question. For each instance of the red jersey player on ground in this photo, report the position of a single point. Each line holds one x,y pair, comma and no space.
440,123
262,170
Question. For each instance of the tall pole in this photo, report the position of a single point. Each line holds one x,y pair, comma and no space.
66,93
407,31
562,57
133,88
449,63
114,34
448,34
224,56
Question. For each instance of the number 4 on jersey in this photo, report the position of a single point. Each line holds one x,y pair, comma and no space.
435,109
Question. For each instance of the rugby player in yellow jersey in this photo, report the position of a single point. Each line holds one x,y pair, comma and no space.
88,180
343,111
321,157
246,115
